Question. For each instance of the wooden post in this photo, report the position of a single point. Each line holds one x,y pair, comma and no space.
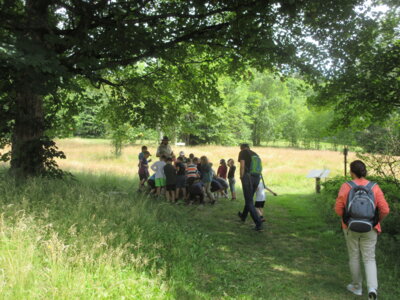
318,185
345,153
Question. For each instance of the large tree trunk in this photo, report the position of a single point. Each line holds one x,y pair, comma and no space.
27,142
27,152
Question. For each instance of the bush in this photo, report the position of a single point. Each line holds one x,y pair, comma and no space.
391,225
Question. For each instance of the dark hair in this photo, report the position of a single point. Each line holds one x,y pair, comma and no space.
191,155
358,168
196,159
144,148
169,159
180,158
163,157
244,146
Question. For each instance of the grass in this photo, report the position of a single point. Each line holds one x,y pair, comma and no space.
95,238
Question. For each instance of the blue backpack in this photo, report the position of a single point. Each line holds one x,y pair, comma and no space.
361,214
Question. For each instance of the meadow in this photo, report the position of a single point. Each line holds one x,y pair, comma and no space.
94,237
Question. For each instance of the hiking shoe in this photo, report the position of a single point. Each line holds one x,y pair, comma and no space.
356,290
372,294
241,216
258,228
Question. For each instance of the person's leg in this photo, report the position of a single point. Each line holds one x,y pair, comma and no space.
353,249
248,183
207,187
167,195
367,246
184,193
173,195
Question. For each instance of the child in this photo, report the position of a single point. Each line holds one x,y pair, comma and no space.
170,180
216,187
180,178
158,167
231,178
182,155
151,182
192,173
143,169
221,174
222,169
206,177
260,198
141,154
196,191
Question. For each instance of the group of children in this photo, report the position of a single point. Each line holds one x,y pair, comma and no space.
192,179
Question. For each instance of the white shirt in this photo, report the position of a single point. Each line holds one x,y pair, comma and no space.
260,192
158,167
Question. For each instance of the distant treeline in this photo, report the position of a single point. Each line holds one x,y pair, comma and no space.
262,109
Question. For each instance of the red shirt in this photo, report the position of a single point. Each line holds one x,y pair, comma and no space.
380,201
222,170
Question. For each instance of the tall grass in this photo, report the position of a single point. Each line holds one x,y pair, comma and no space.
93,237
76,240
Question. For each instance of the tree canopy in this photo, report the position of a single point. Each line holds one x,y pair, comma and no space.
367,86
49,47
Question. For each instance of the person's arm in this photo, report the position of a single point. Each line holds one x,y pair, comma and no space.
158,152
272,192
154,167
341,199
145,165
242,168
381,203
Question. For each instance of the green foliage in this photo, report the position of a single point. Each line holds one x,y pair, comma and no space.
365,87
155,54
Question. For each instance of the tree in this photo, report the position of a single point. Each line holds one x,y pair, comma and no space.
47,46
366,87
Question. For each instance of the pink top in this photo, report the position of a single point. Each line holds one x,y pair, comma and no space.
380,200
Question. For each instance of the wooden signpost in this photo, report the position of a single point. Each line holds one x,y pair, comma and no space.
318,174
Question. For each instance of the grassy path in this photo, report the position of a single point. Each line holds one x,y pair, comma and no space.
82,240
297,256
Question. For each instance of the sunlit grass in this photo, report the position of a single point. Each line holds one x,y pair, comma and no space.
284,168
93,237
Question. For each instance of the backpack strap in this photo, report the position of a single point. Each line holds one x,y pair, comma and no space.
352,184
370,185
262,178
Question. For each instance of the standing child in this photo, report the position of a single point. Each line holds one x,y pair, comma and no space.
158,167
221,174
260,198
222,169
206,177
180,178
231,178
143,170
192,173
170,180
141,154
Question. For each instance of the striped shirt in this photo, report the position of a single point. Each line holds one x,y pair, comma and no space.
191,171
